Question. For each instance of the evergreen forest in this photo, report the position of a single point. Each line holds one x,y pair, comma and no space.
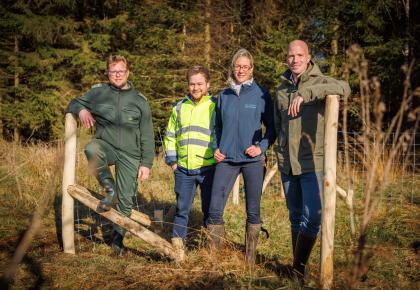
53,51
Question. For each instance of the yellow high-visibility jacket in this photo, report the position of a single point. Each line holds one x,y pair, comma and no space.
189,139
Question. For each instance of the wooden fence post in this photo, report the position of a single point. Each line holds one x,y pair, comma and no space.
235,190
69,172
329,193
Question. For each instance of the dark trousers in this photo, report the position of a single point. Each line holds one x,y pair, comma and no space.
224,179
101,155
303,199
185,188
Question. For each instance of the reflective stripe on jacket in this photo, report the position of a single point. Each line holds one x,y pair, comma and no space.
189,139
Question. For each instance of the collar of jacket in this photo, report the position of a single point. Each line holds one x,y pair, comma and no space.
311,71
202,100
244,85
129,83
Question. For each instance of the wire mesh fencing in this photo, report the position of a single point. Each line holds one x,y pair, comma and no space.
404,186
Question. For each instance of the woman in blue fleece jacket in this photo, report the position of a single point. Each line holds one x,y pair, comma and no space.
241,110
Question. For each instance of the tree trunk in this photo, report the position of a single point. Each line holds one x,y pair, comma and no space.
16,131
207,34
184,38
334,50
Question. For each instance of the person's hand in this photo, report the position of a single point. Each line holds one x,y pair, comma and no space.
219,156
294,106
174,166
86,119
253,151
144,173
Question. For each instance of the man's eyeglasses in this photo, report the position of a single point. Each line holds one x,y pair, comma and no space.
117,72
242,67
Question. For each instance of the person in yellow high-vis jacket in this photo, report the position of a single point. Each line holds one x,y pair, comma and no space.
189,147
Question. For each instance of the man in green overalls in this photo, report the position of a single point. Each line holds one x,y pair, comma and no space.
124,138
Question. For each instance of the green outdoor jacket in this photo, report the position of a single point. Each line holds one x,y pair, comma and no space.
300,147
123,119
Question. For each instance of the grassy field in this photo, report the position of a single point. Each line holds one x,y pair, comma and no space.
392,250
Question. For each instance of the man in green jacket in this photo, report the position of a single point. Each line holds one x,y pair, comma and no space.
299,120
124,138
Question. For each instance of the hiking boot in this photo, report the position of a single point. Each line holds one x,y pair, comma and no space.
179,248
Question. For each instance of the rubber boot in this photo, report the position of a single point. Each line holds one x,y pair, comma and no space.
251,241
216,232
179,248
304,245
109,188
294,239
117,242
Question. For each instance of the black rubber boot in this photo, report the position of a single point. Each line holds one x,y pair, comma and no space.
216,233
304,245
109,188
251,241
294,239
117,242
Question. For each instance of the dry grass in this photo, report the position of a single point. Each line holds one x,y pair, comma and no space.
392,237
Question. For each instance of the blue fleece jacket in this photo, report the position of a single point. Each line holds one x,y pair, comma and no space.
239,119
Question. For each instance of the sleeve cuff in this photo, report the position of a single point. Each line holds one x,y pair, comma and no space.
263,145
169,160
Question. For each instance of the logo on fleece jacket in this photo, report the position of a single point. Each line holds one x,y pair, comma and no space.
250,106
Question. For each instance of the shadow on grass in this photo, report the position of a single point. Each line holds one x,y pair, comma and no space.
271,264
32,265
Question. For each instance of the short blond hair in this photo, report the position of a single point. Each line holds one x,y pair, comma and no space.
116,58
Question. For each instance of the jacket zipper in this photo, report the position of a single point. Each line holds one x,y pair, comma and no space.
237,124
119,120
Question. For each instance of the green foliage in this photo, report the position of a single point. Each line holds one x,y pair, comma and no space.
52,51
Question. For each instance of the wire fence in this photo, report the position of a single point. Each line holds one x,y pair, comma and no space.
404,186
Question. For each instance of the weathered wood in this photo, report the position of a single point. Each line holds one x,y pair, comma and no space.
235,190
329,193
270,174
341,192
141,218
69,173
83,195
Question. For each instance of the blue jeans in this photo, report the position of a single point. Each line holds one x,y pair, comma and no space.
303,199
224,179
185,187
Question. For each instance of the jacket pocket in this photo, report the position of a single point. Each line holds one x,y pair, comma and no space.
105,111
130,116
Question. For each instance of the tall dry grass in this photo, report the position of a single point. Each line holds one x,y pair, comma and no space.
41,192
380,146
